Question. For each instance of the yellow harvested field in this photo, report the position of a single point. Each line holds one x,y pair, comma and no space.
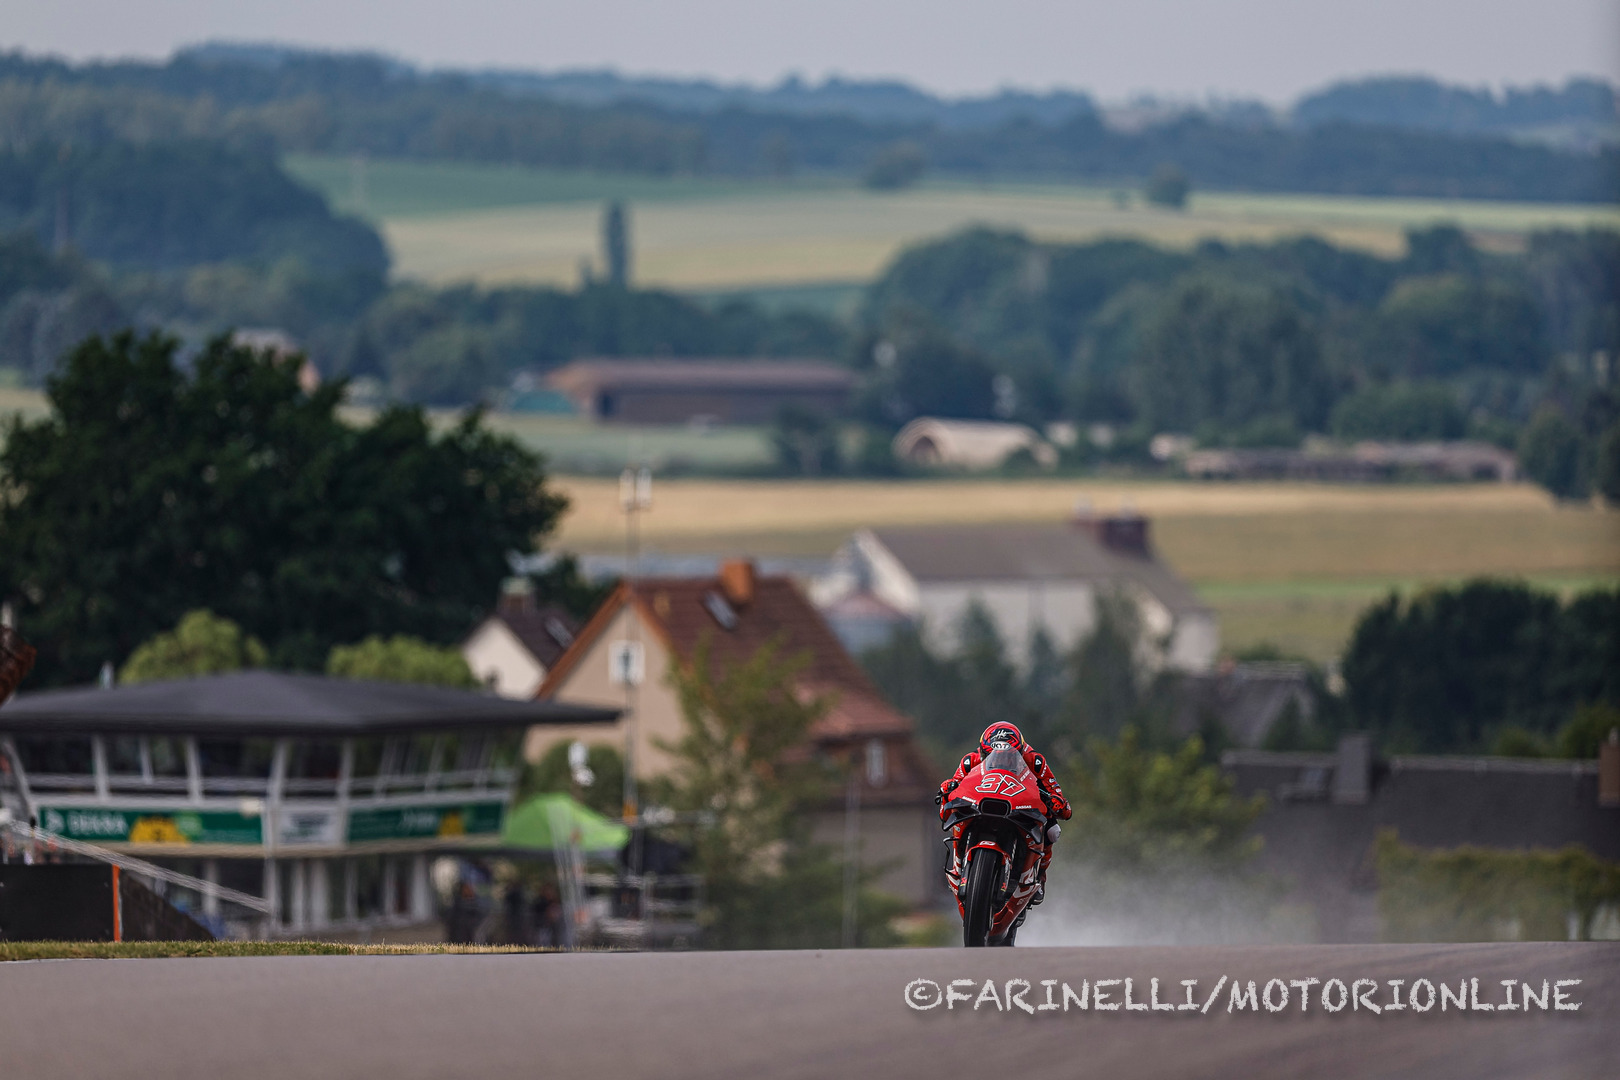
699,510
798,236
1288,564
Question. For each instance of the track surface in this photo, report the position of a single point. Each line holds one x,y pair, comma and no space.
801,1014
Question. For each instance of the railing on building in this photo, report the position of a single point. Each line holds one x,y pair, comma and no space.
226,912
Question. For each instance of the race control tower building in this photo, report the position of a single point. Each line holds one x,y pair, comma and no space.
327,796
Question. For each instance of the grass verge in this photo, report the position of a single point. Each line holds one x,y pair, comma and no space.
132,950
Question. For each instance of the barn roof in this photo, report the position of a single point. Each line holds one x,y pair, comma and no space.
1030,551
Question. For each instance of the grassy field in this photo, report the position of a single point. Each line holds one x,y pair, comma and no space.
571,444
460,222
1288,564
576,445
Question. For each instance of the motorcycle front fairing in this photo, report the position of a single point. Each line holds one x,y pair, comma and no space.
998,806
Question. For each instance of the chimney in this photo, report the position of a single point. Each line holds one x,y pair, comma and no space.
1352,770
517,596
737,582
1609,770
1125,532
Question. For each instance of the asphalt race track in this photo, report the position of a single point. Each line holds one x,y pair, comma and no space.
798,1014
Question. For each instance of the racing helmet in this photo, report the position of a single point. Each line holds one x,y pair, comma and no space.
1000,732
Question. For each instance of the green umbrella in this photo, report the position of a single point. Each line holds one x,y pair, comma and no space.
546,822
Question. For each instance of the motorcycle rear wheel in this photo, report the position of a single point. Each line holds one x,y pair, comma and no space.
978,903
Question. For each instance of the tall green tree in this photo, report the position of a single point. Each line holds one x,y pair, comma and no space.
152,490
1445,670
1108,688
740,764
1136,808
616,243
1554,455
1218,352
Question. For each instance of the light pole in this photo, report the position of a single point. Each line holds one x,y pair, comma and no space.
635,497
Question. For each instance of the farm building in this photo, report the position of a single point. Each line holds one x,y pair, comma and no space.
622,656
1028,577
968,444
1365,461
721,391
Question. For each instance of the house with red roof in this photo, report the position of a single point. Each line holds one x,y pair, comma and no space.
623,657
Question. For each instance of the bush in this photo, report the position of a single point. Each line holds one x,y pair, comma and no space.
896,166
604,794
1480,894
401,659
1587,731
1168,187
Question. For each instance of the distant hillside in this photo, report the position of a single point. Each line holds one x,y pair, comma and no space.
1582,112
290,100
167,205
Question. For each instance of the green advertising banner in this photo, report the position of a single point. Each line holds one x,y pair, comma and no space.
426,822
114,825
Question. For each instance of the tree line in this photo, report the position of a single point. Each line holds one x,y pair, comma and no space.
1480,666
1261,344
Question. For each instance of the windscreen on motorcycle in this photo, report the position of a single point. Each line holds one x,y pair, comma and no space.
1005,760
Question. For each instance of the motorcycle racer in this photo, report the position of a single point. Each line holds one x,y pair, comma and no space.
1002,734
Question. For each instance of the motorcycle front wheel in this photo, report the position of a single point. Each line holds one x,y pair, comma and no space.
978,901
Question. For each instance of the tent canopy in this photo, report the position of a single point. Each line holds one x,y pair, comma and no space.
546,822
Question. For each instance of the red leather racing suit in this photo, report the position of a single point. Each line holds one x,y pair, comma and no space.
1057,806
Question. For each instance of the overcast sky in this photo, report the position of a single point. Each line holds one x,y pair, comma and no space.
1272,49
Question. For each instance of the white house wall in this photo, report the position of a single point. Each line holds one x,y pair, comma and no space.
499,660
1195,644
887,579
1067,609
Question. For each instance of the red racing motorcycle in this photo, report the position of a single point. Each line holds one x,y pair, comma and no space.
997,821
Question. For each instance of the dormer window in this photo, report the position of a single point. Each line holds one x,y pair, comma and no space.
721,609
559,633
